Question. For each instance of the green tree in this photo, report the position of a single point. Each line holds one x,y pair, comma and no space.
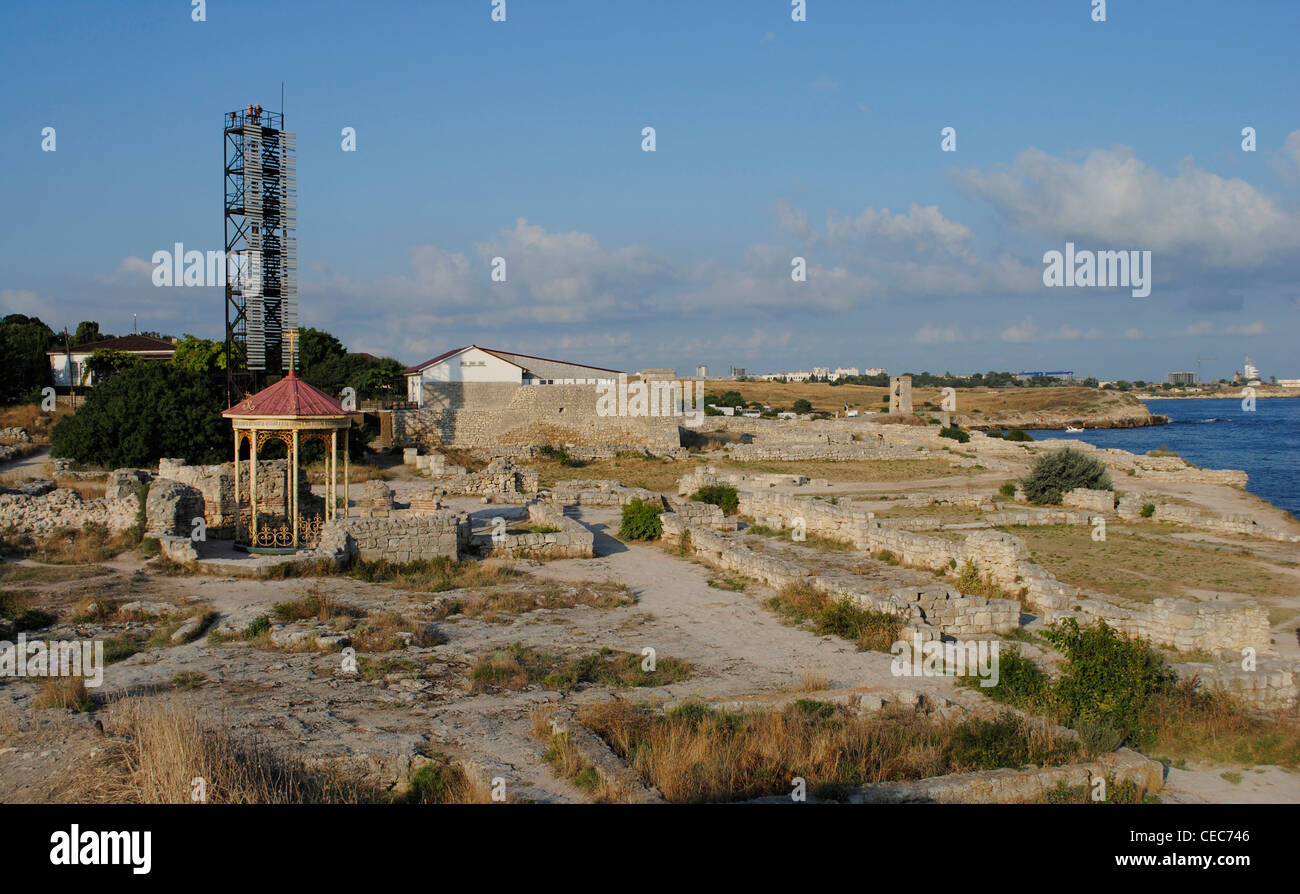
24,365
145,412
103,365
87,332
200,354
316,346
803,405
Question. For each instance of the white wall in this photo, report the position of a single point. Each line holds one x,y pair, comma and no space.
473,365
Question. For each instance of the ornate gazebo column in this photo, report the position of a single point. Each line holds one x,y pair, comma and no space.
293,488
252,481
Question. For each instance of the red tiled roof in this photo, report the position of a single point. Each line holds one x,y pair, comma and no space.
290,396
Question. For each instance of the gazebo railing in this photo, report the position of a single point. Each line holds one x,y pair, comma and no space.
276,532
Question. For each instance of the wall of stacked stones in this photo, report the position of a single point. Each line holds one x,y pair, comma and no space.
1185,625
933,606
1273,684
1182,624
54,509
573,540
599,492
400,538
533,415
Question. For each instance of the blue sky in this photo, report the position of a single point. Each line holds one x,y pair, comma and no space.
775,139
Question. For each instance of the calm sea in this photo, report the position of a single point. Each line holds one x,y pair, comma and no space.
1218,434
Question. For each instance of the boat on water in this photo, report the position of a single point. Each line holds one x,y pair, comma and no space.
1071,428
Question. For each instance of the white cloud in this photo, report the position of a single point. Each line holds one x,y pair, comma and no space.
1113,199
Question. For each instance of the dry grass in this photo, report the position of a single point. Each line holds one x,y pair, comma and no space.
160,748
856,470
652,473
64,693
813,681
816,610
31,417
88,488
824,396
502,605
1219,729
1137,567
696,755
438,575
88,545
569,763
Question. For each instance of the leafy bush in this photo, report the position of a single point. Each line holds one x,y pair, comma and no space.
1063,470
1008,489
724,496
1148,510
143,413
802,405
641,521
954,432
1108,678
1017,434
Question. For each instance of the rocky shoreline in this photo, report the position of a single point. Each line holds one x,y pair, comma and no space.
1042,421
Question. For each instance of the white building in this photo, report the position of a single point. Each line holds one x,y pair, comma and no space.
842,372
69,366
473,364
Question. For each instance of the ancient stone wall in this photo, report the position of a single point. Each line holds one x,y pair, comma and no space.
570,540
49,509
1089,499
532,415
399,538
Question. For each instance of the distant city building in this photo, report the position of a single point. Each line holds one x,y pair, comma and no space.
657,374
875,371
1289,383
821,372
1068,375
1250,372
702,372
738,372
843,372
1182,378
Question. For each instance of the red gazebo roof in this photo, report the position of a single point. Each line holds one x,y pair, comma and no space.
290,396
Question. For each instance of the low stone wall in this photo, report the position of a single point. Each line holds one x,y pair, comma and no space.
1089,499
1183,624
599,492
573,540
709,476
693,512
1271,686
928,610
1016,786
399,538
1131,506
45,511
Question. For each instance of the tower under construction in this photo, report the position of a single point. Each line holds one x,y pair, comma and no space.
261,211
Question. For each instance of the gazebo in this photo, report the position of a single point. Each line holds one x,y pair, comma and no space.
293,412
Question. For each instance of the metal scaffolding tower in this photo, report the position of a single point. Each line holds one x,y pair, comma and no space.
261,215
